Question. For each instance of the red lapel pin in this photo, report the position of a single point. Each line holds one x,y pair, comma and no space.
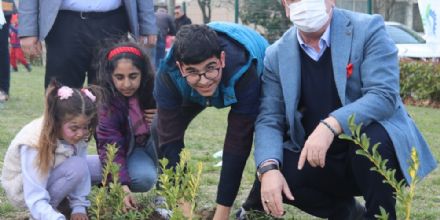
349,70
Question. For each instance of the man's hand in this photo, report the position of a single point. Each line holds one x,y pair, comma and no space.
317,144
31,46
148,41
273,184
129,200
79,216
149,115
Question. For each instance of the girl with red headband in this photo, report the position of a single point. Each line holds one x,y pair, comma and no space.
126,74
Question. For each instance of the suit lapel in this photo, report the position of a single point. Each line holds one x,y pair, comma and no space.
341,36
290,71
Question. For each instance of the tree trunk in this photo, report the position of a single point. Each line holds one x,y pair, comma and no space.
205,7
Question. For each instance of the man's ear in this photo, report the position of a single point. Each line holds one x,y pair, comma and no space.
223,59
180,67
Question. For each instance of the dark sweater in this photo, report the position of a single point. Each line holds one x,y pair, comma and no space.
184,20
319,96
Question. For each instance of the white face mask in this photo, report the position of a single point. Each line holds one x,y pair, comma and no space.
308,15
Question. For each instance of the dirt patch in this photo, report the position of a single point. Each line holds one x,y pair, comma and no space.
206,213
421,103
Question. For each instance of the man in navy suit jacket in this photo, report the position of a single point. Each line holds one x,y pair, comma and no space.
333,63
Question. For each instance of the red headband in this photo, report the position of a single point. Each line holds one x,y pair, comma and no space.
119,50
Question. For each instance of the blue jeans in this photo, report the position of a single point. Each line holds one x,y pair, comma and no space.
151,51
142,169
141,165
160,51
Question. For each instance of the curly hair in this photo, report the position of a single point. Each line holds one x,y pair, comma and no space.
195,43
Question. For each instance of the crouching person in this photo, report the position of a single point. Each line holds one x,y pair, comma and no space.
327,67
47,160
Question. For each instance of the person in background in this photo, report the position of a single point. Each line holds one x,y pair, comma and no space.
16,52
47,160
8,8
73,31
216,65
180,17
332,64
165,24
2,17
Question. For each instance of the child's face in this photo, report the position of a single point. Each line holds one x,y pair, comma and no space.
76,129
126,77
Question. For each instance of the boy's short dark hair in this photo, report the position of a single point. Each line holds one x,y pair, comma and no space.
195,43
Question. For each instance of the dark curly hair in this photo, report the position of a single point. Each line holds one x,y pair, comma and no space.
195,43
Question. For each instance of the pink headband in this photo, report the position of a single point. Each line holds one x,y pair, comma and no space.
119,50
66,92
89,94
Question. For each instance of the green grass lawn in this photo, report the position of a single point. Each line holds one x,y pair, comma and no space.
204,137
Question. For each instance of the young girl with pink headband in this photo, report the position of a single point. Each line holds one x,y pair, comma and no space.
47,160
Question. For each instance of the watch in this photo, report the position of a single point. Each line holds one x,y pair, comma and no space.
264,169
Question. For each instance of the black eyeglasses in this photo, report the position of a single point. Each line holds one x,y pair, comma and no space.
194,76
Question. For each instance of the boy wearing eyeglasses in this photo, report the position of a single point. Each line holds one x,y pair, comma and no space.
217,65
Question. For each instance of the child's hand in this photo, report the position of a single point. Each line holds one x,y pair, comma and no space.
129,200
79,216
149,115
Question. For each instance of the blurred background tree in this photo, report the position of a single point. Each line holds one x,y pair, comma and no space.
266,16
205,7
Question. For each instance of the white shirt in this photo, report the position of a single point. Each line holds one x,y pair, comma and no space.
2,17
324,42
90,5
36,195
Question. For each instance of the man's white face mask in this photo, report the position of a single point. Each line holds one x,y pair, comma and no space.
308,15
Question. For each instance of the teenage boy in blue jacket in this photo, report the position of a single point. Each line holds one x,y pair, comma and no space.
217,65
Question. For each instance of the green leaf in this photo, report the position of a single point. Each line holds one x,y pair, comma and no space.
383,214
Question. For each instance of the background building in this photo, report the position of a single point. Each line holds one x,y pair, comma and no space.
402,11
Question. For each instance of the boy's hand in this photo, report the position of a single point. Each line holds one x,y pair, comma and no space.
79,216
